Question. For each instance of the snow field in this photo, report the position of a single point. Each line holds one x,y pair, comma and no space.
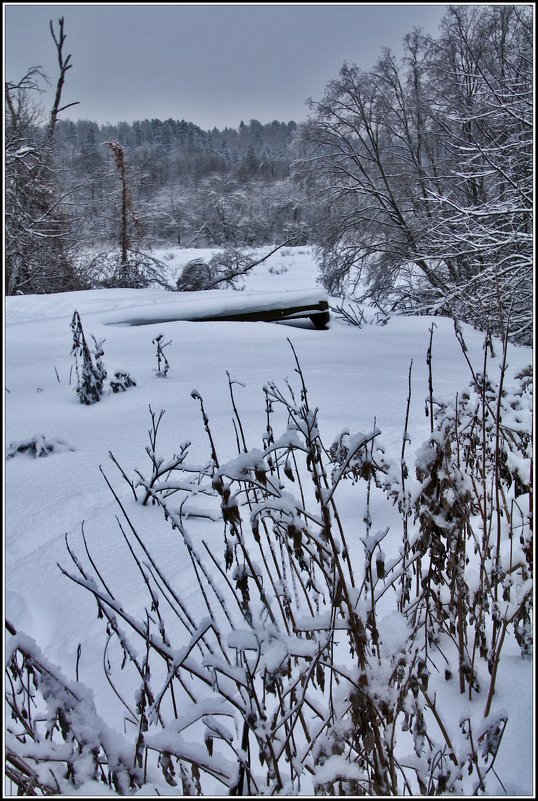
357,377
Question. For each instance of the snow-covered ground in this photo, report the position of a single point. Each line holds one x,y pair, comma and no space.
358,377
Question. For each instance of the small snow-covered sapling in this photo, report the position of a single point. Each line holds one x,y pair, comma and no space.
90,375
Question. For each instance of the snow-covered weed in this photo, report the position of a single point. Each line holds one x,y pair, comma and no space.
38,446
89,366
163,365
121,382
278,269
316,664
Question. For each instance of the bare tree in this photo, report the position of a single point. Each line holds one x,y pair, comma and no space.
485,204
37,224
64,65
425,167
126,203
132,266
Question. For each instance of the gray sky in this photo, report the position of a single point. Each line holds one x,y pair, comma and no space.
213,65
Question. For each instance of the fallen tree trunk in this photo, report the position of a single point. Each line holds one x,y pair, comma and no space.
255,307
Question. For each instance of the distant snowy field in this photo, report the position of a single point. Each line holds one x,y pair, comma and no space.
357,377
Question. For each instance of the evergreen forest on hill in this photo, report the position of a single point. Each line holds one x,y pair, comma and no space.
189,186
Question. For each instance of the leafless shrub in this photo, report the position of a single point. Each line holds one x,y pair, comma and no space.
138,270
353,313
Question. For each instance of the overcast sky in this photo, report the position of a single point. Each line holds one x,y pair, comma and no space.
213,65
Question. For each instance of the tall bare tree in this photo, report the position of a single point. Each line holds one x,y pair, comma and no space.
425,167
37,225
126,203
64,65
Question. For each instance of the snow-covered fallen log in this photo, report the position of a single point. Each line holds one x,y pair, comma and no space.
233,306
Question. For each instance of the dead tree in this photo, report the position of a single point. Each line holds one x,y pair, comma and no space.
63,62
37,229
126,204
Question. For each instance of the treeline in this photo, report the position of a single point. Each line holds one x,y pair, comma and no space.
179,148
188,186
